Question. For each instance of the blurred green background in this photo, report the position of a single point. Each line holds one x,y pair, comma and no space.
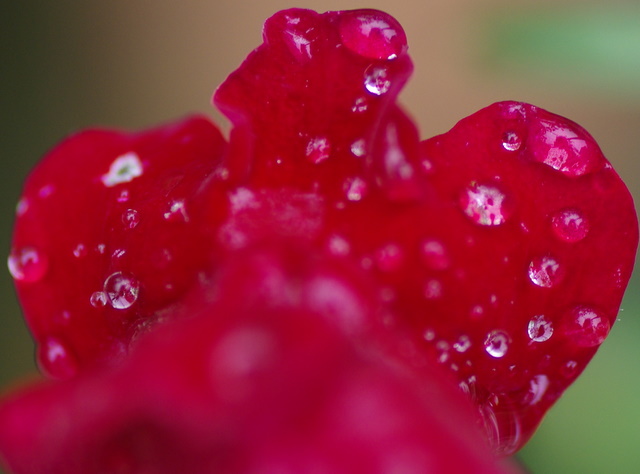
71,64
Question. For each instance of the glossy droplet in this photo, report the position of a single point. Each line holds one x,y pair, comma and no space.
56,360
176,212
358,148
124,169
360,105
318,150
98,299
539,329
355,188
299,35
376,80
130,218
502,424
389,258
46,191
485,205
570,225
497,344
545,272
586,327
27,264
442,351
22,207
538,386
372,34
121,290
462,344
569,369
433,289
434,255
511,141
80,251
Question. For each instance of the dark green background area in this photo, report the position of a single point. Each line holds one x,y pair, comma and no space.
71,64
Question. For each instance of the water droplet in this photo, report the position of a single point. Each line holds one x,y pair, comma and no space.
538,386
121,290
570,225
130,218
27,264
434,255
539,329
338,246
360,105
433,289
476,311
442,351
118,253
502,424
56,360
98,299
372,34
462,344
429,335
569,369
355,188
545,272
80,251
389,258
100,248
123,196
511,141
376,80
485,205
177,211
358,148
586,327
46,191
299,35
22,207
124,169
496,344
318,150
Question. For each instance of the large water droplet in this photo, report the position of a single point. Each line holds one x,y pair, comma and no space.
124,169
372,34
121,290
56,360
27,264
434,255
376,80
585,326
485,204
338,246
80,251
545,272
570,225
539,329
130,218
318,150
22,207
497,344
503,425
511,141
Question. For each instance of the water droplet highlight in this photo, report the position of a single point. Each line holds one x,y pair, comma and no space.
130,218
98,299
372,34
586,327
318,150
56,360
511,141
462,344
355,188
121,290
376,80
497,344
570,225
27,264
485,205
433,289
545,272
124,169
539,329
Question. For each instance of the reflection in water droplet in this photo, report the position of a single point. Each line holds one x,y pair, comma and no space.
121,290
485,205
502,424
98,299
123,196
586,327
360,105
177,211
545,272
539,329
56,360
570,225
429,335
462,344
538,386
442,351
511,141
434,255
318,150
356,188
124,169
376,80
372,34
569,369
358,148
130,218
338,246
496,344
27,264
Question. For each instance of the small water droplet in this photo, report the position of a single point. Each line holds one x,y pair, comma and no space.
22,207
123,196
511,141
118,253
299,35
358,148
318,150
56,360
434,255
545,272
497,344
538,386
570,225
355,188
569,369
372,34
360,105
80,251
124,169
130,218
429,335
586,327
121,290
485,204
462,344
177,211
376,80
338,246
98,299
433,289
539,329
389,258
502,424
442,351
27,264
46,191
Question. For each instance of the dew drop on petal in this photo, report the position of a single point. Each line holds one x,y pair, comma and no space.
27,264
485,204
121,290
569,369
130,218
538,386
318,150
56,360
372,34
338,246
376,80
434,255
545,272
176,212
502,424
124,169
570,225
462,344
539,329
497,344
98,299
585,326
389,258
511,141
360,105
22,207
355,188
80,251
